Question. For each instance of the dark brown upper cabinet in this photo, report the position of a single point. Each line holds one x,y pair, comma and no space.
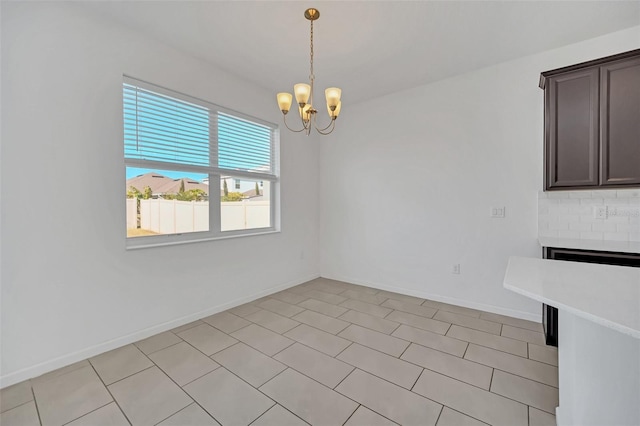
620,123
592,124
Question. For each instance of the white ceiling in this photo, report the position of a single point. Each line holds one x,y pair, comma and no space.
367,48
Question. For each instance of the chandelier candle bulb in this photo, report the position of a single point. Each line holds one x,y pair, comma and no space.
302,91
304,95
333,96
284,102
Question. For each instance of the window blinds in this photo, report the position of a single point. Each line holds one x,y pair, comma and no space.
164,126
161,128
243,145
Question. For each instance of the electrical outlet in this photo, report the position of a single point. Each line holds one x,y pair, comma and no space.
498,212
605,212
456,269
620,211
600,212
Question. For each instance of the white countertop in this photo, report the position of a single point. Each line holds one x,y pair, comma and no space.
598,245
605,294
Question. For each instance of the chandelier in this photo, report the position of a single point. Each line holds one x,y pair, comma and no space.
304,96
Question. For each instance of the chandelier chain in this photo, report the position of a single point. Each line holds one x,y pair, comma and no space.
311,76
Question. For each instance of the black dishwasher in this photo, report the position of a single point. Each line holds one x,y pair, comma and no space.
549,313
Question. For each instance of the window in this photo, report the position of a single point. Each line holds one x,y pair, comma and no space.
177,150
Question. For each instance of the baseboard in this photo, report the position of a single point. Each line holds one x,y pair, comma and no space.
439,298
63,361
560,420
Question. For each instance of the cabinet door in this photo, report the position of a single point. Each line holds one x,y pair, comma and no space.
620,122
571,129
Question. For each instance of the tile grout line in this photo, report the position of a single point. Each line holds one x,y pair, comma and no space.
199,377
440,413
394,330
343,379
448,328
465,414
110,394
179,411
240,378
19,405
351,415
414,385
188,328
465,359
485,346
158,350
265,354
180,387
350,323
188,395
265,411
92,411
416,381
132,374
348,397
347,347
512,399
493,370
405,349
33,393
509,372
517,375
280,351
465,351
271,408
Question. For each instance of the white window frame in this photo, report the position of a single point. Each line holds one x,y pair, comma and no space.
214,173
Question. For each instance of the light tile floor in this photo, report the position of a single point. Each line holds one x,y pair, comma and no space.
322,353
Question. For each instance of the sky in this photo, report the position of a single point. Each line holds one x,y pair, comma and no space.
135,171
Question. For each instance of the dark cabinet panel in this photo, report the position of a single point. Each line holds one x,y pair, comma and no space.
572,140
592,124
620,123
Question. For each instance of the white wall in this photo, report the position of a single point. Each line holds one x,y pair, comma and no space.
466,144
69,287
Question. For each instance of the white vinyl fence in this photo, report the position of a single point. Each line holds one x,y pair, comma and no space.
174,217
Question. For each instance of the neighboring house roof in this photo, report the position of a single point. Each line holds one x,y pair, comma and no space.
251,194
173,187
160,184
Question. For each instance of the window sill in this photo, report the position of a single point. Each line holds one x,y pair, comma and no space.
133,245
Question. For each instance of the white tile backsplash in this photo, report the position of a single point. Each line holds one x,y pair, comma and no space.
570,214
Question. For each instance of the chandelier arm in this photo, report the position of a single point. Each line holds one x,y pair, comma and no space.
315,124
332,125
293,130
